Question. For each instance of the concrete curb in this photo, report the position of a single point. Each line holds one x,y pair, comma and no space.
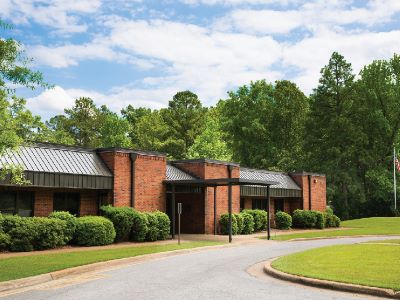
337,237
7,286
332,285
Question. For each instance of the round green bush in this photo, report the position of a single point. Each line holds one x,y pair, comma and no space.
94,231
283,220
152,232
224,224
239,221
50,233
248,223
71,223
140,227
5,241
164,225
320,219
122,218
336,221
22,232
304,219
260,218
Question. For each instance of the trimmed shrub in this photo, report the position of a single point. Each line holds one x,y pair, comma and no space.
140,227
21,231
50,233
152,232
71,223
283,220
260,218
5,241
163,224
320,219
248,223
239,221
224,224
331,220
336,221
122,218
94,231
304,219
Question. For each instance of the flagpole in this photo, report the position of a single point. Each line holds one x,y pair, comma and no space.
394,177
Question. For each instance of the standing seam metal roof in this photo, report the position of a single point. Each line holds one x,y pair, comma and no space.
285,181
56,159
173,173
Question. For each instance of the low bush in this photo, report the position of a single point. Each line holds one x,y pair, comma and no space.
248,223
304,219
320,219
336,221
331,220
50,233
239,221
152,232
163,224
140,227
260,218
122,218
224,224
283,220
94,231
5,241
69,219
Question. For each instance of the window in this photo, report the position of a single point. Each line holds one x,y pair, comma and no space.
67,202
259,204
278,205
20,203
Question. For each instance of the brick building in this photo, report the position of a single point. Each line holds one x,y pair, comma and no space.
81,180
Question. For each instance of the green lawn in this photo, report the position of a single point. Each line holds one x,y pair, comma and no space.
24,266
367,226
364,264
384,242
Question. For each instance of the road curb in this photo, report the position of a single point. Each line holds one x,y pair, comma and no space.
7,286
336,237
332,285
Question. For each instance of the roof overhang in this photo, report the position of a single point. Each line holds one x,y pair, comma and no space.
220,182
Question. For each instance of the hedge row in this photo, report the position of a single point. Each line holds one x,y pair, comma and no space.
136,226
61,228
314,219
246,222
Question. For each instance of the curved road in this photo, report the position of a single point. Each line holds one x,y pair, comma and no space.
212,274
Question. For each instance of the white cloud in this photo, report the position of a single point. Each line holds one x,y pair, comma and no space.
59,14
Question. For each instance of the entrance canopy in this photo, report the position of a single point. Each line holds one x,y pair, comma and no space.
215,182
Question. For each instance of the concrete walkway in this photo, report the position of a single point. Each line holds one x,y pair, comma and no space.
224,273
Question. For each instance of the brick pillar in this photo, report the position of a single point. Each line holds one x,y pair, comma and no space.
43,205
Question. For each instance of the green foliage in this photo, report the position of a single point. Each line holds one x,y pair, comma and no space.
122,218
49,233
5,241
320,219
153,232
283,220
224,224
210,142
260,218
240,223
94,231
69,219
133,116
304,219
248,223
140,227
163,224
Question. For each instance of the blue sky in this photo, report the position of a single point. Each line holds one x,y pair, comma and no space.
143,52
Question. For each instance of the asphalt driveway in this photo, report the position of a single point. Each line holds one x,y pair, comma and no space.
212,274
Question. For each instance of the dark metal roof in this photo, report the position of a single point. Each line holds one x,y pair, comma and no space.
283,179
205,160
221,182
173,173
60,166
126,150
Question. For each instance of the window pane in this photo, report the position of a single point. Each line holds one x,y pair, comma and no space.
66,202
7,202
25,203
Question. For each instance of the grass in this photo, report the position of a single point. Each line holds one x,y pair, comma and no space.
384,242
366,226
363,264
25,266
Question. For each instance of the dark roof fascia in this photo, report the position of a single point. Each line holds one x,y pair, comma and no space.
126,150
221,182
307,173
263,171
204,160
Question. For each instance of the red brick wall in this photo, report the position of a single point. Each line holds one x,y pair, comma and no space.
150,193
89,203
120,165
248,204
302,181
43,204
318,191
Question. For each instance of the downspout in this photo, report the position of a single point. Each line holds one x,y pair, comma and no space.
309,192
133,157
